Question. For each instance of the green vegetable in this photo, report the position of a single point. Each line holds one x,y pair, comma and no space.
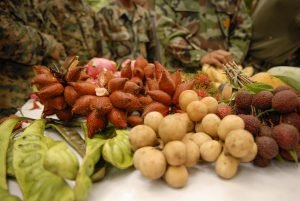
92,156
60,160
288,74
117,150
5,196
35,182
6,129
72,137
257,87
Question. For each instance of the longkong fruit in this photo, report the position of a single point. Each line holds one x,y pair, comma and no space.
84,88
118,118
140,62
116,84
156,106
134,120
44,79
50,91
70,95
65,114
166,83
131,87
102,104
180,88
95,122
126,71
82,105
160,96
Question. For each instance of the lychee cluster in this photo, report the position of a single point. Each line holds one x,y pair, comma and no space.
273,119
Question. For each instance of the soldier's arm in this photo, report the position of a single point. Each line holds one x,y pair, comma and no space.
24,44
174,37
241,27
103,24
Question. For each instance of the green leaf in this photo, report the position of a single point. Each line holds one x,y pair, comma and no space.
258,87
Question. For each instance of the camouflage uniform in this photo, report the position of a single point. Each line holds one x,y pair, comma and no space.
74,24
22,44
127,34
190,29
275,44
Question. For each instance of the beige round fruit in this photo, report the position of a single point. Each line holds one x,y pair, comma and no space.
141,136
210,124
199,138
229,123
184,119
198,127
187,97
153,164
210,150
239,142
152,119
176,176
226,166
250,155
211,104
196,110
192,153
138,154
171,128
175,152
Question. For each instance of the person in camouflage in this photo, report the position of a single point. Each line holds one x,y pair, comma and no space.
23,43
275,38
198,32
127,30
74,24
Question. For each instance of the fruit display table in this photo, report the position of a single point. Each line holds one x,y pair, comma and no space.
277,182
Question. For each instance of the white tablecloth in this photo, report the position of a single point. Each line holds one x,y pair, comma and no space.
280,181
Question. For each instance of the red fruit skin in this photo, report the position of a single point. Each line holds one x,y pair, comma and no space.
65,114
156,106
95,123
180,88
201,93
118,118
160,96
84,88
116,84
70,95
292,118
102,104
50,91
285,101
287,138
134,120
223,110
82,105
166,83
203,80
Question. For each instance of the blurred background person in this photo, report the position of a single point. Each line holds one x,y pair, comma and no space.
23,43
276,34
126,30
195,32
74,24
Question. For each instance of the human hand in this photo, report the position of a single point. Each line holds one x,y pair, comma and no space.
216,58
